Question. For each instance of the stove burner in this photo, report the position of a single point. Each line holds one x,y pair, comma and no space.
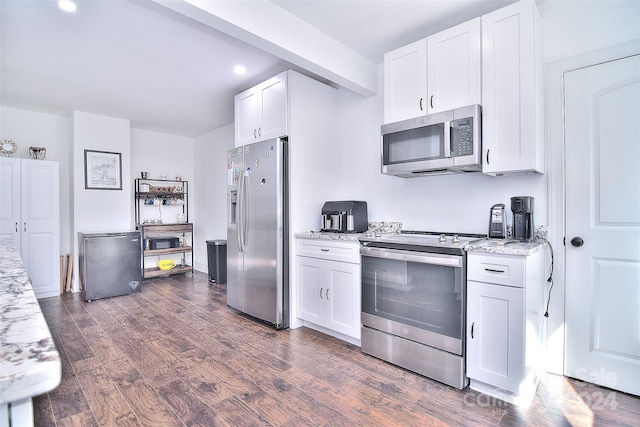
422,241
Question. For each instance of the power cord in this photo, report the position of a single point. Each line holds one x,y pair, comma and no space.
550,278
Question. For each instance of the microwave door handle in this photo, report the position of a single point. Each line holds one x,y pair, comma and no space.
447,139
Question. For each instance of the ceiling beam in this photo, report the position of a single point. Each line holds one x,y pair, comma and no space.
271,28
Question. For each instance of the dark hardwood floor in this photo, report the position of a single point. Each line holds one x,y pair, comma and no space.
176,355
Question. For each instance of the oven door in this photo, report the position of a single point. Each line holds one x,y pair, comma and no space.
415,295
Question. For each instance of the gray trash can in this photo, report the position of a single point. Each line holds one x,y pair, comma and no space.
217,260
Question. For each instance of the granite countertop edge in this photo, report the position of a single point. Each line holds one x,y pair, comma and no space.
30,364
509,247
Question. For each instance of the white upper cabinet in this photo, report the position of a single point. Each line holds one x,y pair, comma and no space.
405,82
454,67
435,74
261,112
512,111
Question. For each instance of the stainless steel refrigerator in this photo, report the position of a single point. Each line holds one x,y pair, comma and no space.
109,264
258,231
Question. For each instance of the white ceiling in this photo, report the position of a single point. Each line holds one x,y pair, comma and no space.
168,72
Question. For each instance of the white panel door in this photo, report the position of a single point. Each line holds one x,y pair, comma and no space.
10,200
246,117
40,202
602,131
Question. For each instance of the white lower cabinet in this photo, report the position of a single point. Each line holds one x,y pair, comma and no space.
505,312
328,281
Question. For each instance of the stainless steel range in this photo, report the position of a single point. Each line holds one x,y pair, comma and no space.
413,302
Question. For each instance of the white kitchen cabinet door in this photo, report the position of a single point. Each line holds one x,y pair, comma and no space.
454,67
405,82
10,200
35,227
273,107
343,298
310,306
261,112
246,117
512,110
495,335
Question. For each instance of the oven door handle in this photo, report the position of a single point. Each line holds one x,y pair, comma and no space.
420,257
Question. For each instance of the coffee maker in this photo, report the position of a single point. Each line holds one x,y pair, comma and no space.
523,228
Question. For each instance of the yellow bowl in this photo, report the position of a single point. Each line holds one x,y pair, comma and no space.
166,264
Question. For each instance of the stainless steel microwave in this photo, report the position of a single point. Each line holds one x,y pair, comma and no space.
435,144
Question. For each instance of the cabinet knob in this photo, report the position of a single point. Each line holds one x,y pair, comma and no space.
577,242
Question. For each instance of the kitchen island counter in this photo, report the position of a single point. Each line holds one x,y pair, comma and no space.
29,362
505,247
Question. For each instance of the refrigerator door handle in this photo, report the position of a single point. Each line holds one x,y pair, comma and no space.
243,201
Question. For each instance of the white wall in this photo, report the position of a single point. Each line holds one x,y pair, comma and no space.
99,210
210,173
162,154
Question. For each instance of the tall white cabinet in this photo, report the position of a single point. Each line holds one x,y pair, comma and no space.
30,216
512,109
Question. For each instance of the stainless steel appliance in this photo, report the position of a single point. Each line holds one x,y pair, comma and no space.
523,228
413,302
109,264
435,144
257,231
497,222
348,216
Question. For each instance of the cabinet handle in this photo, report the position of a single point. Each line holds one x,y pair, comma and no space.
25,226
16,227
327,294
321,289
472,325
255,133
421,104
488,156
431,101
260,131
493,271
324,250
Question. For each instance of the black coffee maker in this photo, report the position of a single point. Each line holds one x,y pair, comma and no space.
523,228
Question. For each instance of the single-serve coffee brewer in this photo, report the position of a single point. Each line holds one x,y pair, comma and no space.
523,228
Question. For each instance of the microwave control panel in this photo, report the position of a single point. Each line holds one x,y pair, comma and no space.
462,137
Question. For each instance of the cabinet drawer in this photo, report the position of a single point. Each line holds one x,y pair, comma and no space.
330,250
499,269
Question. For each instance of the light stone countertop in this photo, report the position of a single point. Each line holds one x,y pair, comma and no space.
382,227
505,247
29,362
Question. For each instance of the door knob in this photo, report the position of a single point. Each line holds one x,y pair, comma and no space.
577,242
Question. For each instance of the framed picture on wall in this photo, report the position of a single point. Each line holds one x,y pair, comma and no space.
102,170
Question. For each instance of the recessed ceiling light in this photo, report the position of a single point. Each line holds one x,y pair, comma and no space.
239,69
67,5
